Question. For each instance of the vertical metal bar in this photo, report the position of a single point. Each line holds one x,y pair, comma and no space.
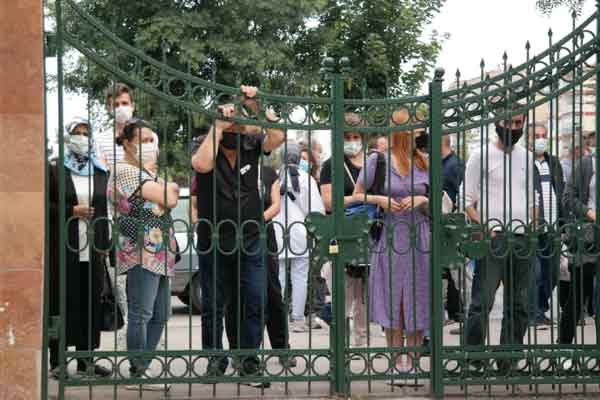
339,328
61,202
597,160
435,203
46,282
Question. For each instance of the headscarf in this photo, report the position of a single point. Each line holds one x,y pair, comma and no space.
291,161
78,163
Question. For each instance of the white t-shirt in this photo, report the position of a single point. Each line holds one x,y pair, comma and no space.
501,187
84,188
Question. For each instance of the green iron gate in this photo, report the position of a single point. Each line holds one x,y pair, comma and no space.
554,83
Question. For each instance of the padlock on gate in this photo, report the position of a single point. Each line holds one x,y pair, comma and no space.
334,247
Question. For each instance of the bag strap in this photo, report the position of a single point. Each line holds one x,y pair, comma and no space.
349,174
380,174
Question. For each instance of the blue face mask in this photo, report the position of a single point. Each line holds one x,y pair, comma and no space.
304,166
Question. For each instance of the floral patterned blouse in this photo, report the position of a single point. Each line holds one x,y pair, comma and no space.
139,218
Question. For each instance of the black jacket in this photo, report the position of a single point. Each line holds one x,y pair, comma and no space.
83,287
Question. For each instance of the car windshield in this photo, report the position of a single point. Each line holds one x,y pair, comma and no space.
181,213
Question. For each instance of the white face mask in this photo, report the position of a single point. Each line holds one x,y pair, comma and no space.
79,144
149,153
123,114
352,148
540,146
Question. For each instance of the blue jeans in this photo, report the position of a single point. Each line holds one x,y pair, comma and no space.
148,306
245,299
547,278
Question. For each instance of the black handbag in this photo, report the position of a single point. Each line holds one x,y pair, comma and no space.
112,316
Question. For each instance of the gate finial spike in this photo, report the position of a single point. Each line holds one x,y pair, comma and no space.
550,33
527,45
482,63
457,73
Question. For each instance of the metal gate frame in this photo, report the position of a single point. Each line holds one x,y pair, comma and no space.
453,111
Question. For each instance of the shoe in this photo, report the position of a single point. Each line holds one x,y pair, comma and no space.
217,366
543,321
298,326
149,387
55,374
313,322
456,331
251,367
99,370
287,362
475,366
404,368
360,341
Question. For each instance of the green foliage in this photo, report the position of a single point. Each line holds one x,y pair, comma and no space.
547,6
276,45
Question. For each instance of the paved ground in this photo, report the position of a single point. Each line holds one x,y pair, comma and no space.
184,331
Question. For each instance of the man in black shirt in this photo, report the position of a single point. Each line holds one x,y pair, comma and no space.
229,207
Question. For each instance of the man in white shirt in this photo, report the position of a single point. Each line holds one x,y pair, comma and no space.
499,194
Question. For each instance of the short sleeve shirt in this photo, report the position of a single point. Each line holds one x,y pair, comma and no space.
326,175
228,198
137,216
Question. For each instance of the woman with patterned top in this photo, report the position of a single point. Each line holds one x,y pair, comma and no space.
146,241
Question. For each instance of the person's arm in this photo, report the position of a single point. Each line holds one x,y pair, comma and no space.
194,218
155,192
472,187
326,194
274,137
275,207
572,197
203,160
365,180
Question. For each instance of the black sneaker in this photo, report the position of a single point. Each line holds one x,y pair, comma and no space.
287,362
98,370
251,367
216,367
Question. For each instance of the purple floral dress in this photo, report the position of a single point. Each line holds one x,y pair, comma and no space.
399,277
157,253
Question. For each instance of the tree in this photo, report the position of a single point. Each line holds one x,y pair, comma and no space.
547,6
277,45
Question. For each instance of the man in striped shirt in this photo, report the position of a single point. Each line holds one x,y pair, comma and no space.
548,177
120,104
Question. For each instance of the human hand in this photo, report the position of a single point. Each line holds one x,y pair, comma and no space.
173,186
249,91
389,204
228,111
591,214
412,202
83,211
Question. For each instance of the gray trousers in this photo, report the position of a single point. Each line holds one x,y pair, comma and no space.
511,267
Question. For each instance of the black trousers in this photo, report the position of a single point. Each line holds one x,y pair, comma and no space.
580,292
276,321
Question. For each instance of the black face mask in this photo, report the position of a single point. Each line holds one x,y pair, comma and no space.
422,142
508,137
230,140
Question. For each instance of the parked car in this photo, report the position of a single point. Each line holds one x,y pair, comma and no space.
185,283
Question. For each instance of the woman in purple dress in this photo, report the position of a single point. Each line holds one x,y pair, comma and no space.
399,278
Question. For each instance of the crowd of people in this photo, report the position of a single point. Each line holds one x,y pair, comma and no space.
115,195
